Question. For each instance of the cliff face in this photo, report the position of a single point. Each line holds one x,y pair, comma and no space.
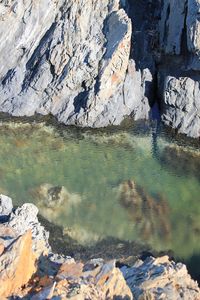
179,65
91,63
66,58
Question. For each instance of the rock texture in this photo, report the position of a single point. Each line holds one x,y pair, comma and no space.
6,207
17,265
25,218
160,279
65,58
179,72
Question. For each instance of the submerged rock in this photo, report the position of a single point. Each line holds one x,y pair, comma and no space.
151,215
52,200
183,161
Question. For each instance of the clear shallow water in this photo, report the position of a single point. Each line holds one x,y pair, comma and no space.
117,184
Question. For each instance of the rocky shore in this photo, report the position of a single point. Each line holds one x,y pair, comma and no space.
92,63
29,269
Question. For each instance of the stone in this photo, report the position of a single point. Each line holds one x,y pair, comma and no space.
193,26
7,235
172,25
181,104
160,278
179,65
25,218
6,207
17,265
67,59
97,280
52,200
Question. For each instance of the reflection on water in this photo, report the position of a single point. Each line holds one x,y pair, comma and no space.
136,187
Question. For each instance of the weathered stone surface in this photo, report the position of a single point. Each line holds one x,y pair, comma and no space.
179,40
97,280
65,58
6,207
7,235
160,279
181,107
193,26
25,218
173,15
17,265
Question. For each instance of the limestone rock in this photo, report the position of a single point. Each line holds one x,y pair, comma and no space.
25,218
181,106
193,26
97,280
6,207
160,279
17,265
172,25
65,58
179,37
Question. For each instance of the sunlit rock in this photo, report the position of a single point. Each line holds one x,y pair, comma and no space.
160,278
24,218
17,265
6,207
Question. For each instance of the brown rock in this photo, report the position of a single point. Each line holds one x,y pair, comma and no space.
17,265
150,214
96,280
70,271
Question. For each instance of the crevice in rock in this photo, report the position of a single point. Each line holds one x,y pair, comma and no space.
35,61
184,47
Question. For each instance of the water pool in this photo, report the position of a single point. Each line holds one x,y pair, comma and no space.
96,184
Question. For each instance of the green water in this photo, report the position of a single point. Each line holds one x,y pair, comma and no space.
94,167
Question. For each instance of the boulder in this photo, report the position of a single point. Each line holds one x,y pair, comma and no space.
6,207
181,104
17,265
24,218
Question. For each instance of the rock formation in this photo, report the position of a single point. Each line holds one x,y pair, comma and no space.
64,58
88,64
161,279
179,65
17,265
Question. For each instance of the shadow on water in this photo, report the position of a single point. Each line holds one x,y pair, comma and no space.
193,266
109,248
